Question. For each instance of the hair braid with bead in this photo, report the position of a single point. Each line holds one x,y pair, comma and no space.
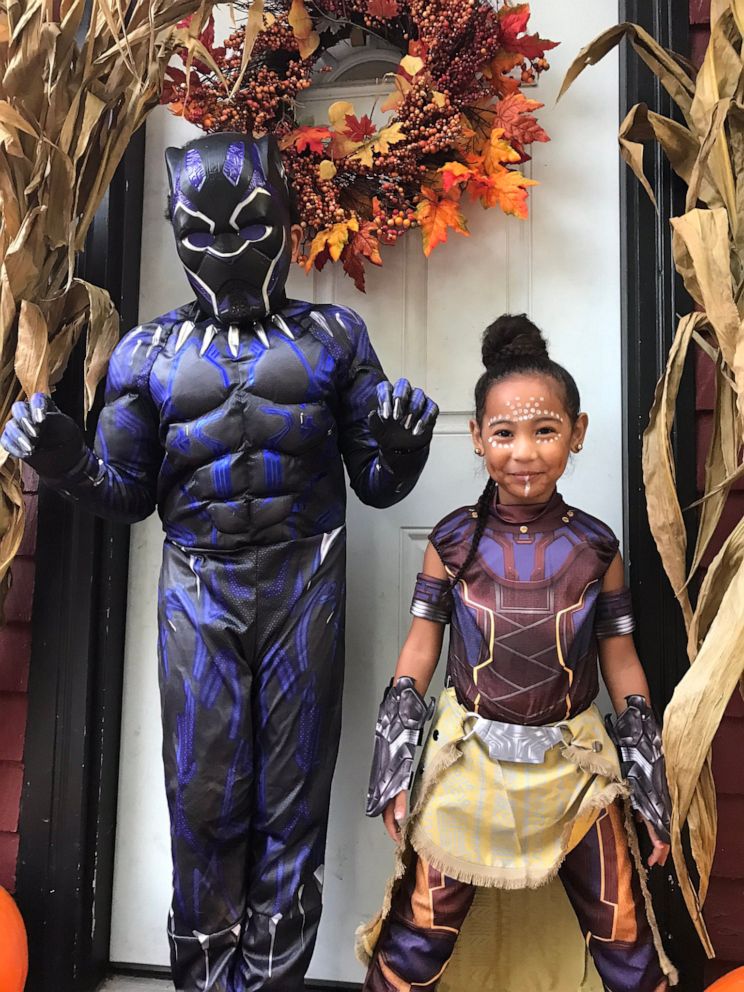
482,507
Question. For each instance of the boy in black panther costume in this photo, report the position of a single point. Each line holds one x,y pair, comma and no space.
234,416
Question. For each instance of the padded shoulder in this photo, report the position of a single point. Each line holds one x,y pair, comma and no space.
452,534
597,533
132,358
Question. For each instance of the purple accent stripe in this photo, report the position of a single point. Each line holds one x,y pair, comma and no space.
259,176
195,168
234,159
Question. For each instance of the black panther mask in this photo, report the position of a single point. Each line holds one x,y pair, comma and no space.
230,211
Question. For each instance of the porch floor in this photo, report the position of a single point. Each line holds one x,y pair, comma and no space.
123,984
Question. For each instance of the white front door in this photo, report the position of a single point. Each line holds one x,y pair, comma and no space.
562,267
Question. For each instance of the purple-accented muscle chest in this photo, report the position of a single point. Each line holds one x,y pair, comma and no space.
523,645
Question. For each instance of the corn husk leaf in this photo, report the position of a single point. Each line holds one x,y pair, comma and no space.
253,26
678,143
664,64
721,467
701,252
694,715
664,510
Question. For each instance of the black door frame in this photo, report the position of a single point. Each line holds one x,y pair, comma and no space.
68,815
653,296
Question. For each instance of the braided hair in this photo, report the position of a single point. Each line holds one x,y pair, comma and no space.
512,345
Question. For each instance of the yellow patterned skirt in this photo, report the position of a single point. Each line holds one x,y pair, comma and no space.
506,826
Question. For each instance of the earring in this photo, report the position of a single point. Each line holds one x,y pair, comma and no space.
478,452
579,446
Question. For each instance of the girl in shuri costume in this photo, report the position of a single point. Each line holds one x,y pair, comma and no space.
520,781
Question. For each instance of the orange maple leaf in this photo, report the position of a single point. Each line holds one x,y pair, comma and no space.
497,151
454,174
354,267
341,143
365,242
436,215
513,24
333,239
307,137
513,114
498,70
383,10
507,189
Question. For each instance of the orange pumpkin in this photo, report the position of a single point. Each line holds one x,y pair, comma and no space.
13,946
733,982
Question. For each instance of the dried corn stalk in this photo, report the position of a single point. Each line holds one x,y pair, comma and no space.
77,78
707,151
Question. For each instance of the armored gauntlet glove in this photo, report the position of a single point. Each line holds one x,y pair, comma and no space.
49,440
637,737
400,722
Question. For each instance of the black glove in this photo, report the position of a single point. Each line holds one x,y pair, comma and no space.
404,419
637,736
48,440
400,722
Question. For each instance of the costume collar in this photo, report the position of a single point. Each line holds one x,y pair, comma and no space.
200,314
526,517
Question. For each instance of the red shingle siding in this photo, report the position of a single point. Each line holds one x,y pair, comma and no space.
15,655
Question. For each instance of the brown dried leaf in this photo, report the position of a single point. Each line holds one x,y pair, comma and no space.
664,511
708,163
694,714
103,334
253,26
721,467
302,27
701,252
718,80
32,351
672,76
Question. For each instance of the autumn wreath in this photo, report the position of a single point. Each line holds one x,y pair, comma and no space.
457,119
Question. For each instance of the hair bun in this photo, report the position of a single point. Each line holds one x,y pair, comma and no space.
512,336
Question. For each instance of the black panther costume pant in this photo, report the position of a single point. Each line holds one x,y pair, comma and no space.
251,671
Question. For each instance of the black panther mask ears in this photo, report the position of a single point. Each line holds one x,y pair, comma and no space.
230,211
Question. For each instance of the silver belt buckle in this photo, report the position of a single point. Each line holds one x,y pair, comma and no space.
514,742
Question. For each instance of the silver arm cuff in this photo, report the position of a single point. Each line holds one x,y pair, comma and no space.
420,608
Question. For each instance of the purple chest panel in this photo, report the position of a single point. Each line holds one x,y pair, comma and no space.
523,647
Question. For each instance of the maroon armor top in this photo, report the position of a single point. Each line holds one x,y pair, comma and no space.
527,613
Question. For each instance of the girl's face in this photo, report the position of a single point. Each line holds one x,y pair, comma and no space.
526,436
